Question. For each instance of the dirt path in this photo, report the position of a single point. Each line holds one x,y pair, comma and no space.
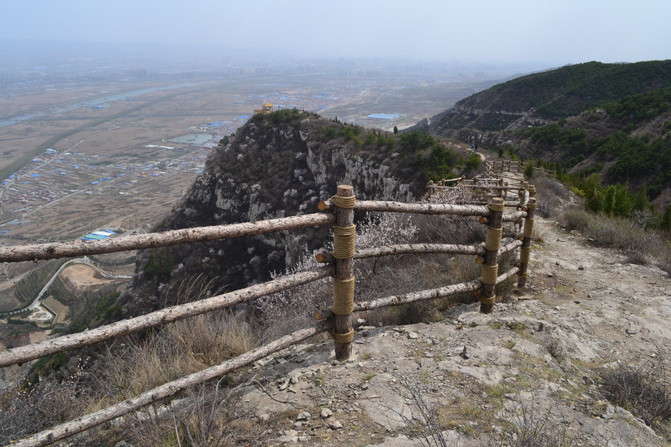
534,362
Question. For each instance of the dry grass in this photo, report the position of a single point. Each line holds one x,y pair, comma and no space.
179,349
639,390
207,417
29,409
640,245
552,196
529,426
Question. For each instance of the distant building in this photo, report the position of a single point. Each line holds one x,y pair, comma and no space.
265,109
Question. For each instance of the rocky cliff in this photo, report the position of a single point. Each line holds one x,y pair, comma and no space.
276,165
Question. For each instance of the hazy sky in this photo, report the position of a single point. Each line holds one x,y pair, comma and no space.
545,31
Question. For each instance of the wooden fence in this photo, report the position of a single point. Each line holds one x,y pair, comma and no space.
338,212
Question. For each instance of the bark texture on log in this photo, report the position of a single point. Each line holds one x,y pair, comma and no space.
162,239
419,208
431,294
510,273
509,247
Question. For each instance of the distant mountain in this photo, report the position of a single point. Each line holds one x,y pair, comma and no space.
611,119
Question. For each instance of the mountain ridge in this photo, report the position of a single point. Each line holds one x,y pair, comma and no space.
609,119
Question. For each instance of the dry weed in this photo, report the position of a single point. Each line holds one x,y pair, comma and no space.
639,244
179,349
639,390
30,408
529,426
552,196
207,416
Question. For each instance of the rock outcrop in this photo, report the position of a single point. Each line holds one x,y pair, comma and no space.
276,165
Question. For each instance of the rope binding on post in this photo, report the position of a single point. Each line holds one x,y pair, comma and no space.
528,228
525,254
343,299
343,202
493,239
343,338
343,241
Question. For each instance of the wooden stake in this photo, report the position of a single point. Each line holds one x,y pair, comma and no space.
526,242
344,269
490,263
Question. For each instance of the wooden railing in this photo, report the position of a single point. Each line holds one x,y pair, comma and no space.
339,212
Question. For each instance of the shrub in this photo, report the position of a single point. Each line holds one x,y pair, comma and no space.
639,390
552,196
529,171
639,244
529,426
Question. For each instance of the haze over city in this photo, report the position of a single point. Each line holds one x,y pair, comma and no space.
545,33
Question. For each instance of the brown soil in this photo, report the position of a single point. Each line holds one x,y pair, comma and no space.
83,276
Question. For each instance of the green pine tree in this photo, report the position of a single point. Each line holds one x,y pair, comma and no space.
666,219
642,202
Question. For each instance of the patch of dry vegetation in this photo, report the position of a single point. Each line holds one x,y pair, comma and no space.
640,390
641,246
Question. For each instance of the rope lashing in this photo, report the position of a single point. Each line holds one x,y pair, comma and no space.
489,274
496,204
493,240
343,296
528,228
343,241
343,202
347,337
525,253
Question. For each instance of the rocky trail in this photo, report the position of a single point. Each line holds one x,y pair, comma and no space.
484,380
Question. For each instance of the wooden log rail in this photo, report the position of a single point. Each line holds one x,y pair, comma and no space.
416,208
339,319
422,208
409,249
163,239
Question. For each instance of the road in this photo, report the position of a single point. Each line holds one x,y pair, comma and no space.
85,260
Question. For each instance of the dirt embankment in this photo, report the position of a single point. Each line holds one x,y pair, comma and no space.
83,276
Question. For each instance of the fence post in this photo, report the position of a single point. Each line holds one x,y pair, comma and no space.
343,282
490,266
525,250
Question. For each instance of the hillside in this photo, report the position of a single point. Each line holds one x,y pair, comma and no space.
548,96
580,357
531,374
610,119
276,165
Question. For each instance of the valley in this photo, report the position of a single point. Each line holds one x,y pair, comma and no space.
120,153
